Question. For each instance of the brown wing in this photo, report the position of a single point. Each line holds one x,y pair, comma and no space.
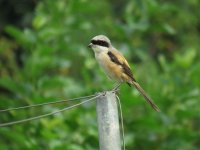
119,59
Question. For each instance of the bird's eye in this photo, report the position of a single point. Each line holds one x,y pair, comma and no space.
93,41
100,43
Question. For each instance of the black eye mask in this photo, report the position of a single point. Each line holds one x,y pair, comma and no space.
100,43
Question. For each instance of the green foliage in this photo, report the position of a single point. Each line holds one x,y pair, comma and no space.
50,61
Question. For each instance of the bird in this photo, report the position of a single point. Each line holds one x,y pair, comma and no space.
115,65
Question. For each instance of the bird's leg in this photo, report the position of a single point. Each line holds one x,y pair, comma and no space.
116,87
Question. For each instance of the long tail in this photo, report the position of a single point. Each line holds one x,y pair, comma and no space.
147,98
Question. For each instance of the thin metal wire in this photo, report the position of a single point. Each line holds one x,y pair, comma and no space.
48,114
48,103
122,123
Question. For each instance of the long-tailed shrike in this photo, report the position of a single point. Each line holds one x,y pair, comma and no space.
115,65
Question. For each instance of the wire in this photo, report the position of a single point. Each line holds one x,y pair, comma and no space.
122,124
48,114
48,103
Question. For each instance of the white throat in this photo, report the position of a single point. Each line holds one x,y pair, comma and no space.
99,49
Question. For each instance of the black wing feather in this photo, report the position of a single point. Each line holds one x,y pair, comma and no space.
126,68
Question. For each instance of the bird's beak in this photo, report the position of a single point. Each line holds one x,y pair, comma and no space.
90,45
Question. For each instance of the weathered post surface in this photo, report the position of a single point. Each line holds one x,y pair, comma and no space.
108,122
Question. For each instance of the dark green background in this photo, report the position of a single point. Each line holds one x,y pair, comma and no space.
44,57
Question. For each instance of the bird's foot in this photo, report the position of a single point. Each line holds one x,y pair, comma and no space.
116,88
